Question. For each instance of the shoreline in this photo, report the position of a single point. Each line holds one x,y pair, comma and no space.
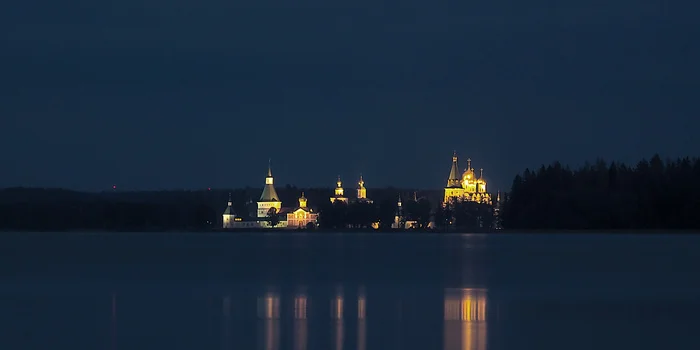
357,231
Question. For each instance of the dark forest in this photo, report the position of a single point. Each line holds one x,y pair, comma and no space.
651,195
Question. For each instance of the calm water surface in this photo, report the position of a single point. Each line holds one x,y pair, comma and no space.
340,291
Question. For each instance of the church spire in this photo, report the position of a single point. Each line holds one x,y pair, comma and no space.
229,208
398,217
302,201
454,179
339,192
469,164
269,194
361,190
481,173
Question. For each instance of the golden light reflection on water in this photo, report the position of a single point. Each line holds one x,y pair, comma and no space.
464,316
301,326
361,322
465,319
269,312
337,310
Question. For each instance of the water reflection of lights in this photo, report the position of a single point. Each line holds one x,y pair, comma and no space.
337,309
361,322
269,306
301,327
269,311
465,319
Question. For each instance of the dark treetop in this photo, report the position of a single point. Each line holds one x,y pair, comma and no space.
650,195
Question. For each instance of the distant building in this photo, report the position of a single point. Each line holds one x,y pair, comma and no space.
269,198
399,221
497,212
362,192
339,195
270,204
466,186
302,216
339,192
229,215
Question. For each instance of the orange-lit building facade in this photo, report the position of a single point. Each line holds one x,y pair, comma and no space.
302,216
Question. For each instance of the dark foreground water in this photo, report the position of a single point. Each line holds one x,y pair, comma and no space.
334,291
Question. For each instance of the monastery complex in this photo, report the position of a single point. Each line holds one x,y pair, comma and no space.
461,186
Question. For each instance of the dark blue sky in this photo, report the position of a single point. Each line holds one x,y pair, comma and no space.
192,94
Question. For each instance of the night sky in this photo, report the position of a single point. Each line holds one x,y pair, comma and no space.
156,94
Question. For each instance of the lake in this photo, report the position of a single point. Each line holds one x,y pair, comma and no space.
349,291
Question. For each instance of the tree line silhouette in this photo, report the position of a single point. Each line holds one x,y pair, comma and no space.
652,194
58,209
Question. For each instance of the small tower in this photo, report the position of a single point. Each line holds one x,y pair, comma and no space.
269,198
481,187
454,189
269,180
497,211
302,201
339,188
398,218
454,180
229,215
361,190
339,192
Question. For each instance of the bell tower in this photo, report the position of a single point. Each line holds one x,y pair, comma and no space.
361,190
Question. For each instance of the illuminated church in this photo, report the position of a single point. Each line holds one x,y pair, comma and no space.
339,192
466,186
270,204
